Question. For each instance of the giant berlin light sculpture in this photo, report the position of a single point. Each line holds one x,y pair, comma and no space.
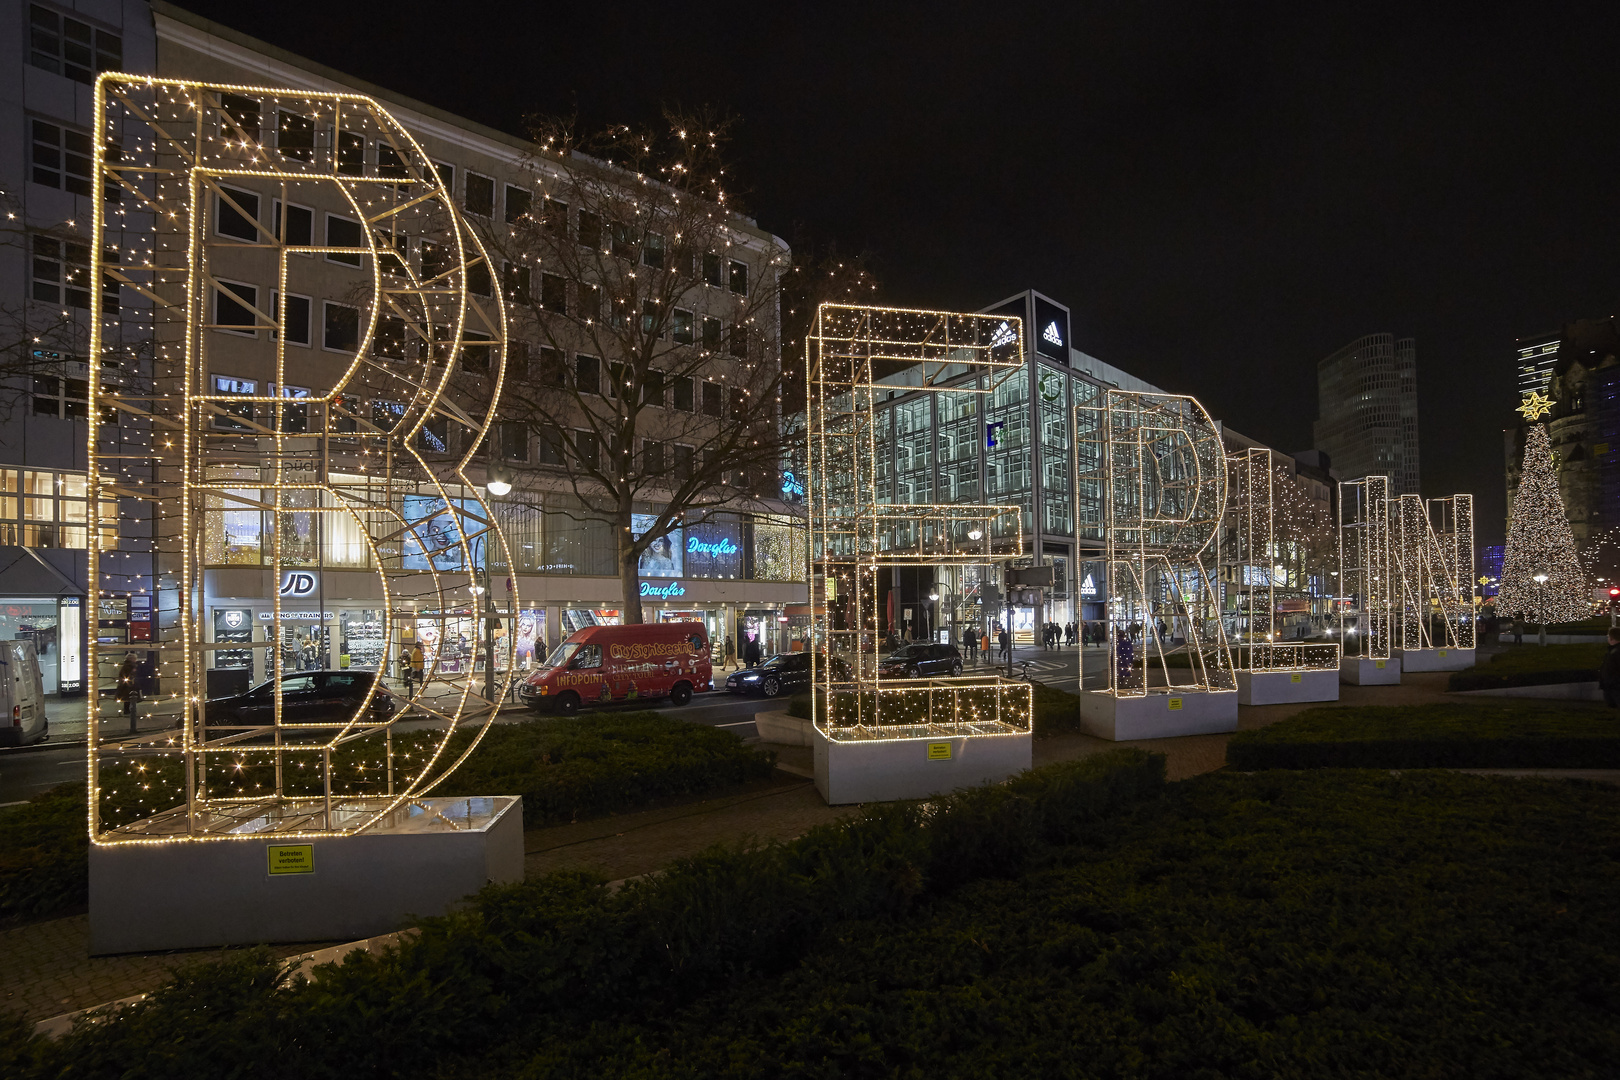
856,526
398,293
1366,600
1256,553
1159,463
1433,554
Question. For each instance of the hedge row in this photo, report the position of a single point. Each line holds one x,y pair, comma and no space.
1433,736
1055,710
565,769
1532,665
565,950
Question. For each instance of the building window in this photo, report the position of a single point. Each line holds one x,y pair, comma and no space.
390,163
683,393
244,111
711,333
295,136
480,195
712,399
589,448
342,327
681,327
587,374
434,437
516,279
447,177
550,447
590,231
478,279
475,358
683,462
517,360
649,317
68,399
739,277
236,214
351,154
233,308
652,388
739,403
515,441
72,48
386,415
228,386
711,270
554,216
64,159
624,245
61,274
553,371
299,224
343,232
652,457
434,261
554,293
294,319
394,252
653,253
739,340
294,418
389,340
518,201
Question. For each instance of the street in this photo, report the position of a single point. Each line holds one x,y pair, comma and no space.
28,771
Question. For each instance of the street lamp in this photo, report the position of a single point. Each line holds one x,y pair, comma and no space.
497,479
933,595
1541,601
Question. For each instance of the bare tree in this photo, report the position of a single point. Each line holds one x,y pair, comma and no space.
656,381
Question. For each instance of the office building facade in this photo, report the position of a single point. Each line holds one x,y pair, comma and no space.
1368,411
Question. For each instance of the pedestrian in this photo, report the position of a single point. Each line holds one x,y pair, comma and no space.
731,654
984,644
751,652
127,692
1609,671
1518,630
1006,644
970,645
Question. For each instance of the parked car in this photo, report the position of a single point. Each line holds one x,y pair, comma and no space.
921,659
604,664
22,695
785,671
307,697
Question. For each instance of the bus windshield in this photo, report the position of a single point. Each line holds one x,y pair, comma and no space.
561,654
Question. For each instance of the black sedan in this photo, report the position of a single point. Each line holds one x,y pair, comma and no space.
786,671
307,697
923,658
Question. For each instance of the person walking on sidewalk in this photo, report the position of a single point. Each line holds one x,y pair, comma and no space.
1609,671
752,652
731,655
1006,644
970,645
127,692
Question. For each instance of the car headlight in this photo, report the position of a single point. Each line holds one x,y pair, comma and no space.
750,678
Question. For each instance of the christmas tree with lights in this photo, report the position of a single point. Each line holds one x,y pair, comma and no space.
1539,542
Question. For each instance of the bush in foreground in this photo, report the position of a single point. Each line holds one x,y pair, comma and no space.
1433,736
565,769
1282,924
1532,665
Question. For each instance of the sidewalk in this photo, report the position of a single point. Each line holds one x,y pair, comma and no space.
48,970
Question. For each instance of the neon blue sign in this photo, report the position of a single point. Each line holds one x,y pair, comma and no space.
714,549
791,487
663,592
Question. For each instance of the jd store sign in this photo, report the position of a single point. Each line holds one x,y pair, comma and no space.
297,583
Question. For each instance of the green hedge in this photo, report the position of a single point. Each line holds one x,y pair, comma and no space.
1055,710
1433,736
1338,923
1532,665
565,769
565,949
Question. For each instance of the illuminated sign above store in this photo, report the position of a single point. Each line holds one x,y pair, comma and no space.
1053,338
297,583
663,592
1088,587
696,545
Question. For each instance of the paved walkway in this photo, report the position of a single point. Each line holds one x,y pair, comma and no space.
46,969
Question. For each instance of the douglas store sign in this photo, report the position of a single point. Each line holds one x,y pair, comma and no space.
714,550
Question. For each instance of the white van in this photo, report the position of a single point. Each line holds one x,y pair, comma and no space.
22,695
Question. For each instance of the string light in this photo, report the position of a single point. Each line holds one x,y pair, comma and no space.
1540,542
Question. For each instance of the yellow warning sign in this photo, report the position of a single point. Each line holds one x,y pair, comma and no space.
291,858
1175,704
1295,676
939,751
1380,664
1442,654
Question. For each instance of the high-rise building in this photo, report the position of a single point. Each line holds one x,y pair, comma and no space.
1367,410
1536,357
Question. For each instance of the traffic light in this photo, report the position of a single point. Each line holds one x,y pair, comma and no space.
1614,594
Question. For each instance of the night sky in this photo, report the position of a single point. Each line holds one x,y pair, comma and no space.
1223,194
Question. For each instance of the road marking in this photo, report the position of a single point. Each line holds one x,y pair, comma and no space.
739,723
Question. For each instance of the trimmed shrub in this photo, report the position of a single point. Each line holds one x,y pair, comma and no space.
1432,736
1532,665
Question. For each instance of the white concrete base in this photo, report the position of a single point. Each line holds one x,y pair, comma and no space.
782,729
1279,687
882,770
1158,715
1533,637
197,894
1360,671
1435,659
1563,691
